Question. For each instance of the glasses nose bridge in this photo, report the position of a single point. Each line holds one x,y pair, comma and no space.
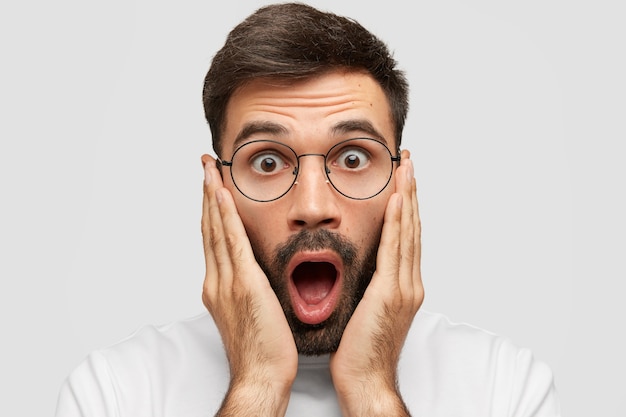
298,168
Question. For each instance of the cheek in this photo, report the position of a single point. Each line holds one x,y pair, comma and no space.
261,221
365,225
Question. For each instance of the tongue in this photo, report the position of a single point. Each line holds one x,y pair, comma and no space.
314,280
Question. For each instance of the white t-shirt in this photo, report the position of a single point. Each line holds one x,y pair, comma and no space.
180,370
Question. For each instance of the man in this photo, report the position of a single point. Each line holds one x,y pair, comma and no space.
312,243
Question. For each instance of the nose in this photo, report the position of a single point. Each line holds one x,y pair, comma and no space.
313,198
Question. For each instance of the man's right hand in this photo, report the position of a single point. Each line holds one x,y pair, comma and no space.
259,344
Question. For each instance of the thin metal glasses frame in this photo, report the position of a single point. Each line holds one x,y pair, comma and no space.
296,170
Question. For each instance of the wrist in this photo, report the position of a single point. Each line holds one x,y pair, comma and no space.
372,399
254,398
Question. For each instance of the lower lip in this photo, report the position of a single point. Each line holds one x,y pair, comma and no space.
313,313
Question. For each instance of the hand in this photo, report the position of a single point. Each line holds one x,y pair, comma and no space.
259,344
364,368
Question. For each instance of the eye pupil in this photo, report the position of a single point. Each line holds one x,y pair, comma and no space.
268,165
352,161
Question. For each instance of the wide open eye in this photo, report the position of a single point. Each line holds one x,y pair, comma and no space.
268,163
352,158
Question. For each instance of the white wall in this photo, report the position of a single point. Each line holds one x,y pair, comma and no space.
516,122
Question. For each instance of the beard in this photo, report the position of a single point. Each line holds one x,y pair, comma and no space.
324,337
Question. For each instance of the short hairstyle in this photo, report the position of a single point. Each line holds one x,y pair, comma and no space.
294,41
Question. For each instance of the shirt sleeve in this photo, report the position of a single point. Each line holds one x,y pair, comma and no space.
89,391
531,388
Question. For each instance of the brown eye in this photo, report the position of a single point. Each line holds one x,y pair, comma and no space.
268,163
352,159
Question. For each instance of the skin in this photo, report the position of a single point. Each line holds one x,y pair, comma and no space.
261,351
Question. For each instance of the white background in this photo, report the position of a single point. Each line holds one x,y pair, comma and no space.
516,127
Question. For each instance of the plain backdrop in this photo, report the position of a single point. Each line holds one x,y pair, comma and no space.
516,128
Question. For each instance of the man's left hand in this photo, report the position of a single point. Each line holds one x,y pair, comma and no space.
364,368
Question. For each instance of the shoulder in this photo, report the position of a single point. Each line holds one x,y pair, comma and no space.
166,351
175,361
435,337
168,339
436,331
474,367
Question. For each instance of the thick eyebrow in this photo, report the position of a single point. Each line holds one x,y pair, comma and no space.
358,125
274,129
253,128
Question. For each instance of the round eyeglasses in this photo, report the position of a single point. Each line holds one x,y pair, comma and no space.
265,170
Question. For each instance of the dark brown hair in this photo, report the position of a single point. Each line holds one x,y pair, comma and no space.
293,41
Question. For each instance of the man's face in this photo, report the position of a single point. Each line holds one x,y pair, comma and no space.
317,247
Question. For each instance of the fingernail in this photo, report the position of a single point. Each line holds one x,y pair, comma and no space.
409,172
207,176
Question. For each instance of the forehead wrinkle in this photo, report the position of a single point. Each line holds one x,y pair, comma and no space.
286,104
287,96
262,98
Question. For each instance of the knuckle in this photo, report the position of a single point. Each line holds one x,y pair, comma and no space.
207,300
418,298
214,235
235,247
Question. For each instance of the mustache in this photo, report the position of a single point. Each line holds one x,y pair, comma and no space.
307,240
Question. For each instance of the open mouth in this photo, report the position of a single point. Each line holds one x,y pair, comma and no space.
314,281
314,285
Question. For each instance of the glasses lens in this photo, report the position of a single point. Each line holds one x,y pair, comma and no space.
359,168
264,170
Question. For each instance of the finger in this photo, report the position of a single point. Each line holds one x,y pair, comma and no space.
205,222
407,231
417,274
406,154
216,233
210,284
236,237
388,256
209,256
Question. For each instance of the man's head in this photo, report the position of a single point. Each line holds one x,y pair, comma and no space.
304,84
294,41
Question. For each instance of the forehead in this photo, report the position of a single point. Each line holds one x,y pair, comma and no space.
316,112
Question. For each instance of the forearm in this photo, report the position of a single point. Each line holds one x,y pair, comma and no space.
371,399
254,400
